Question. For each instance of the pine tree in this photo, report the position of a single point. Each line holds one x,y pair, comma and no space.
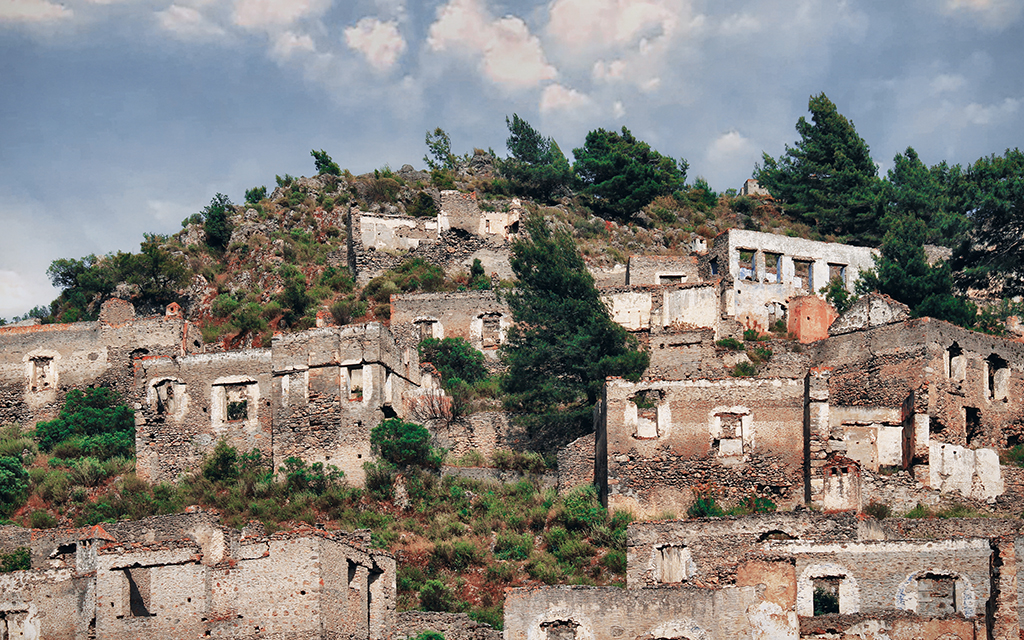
564,342
827,179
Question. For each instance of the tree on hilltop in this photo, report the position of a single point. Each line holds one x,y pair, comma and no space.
992,195
537,167
827,179
621,174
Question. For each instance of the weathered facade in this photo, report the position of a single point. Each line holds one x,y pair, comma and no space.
770,577
662,440
316,394
761,271
478,317
187,577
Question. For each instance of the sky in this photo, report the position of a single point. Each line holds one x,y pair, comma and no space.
123,117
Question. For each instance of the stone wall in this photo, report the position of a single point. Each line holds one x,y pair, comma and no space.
665,439
39,364
330,387
576,464
476,316
650,307
646,270
203,580
607,613
969,384
483,432
187,404
767,269
454,626
677,354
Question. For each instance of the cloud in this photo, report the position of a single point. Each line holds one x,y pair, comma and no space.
582,24
510,55
274,14
187,22
380,42
32,11
607,72
555,97
19,293
618,110
994,14
981,114
947,83
290,42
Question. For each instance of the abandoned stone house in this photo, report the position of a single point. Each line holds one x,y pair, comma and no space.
316,394
185,576
793,575
478,317
888,409
460,233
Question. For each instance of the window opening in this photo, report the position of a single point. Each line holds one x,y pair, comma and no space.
491,332
773,267
936,595
837,272
165,400
355,383
972,420
138,591
425,329
748,270
671,279
560,629
714,266
998,377
674,564
803,272
647,402
238,410
42,373
955,362
826,595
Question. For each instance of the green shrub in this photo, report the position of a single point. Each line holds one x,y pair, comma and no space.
254,195
221,465
223,305
380,479
314,478
544,567
501,572
403,443
87,472
705,504
457,556
511,546
91,412
14,483
422,206
581,510
429,635
920,511
437,596
324,164
13,443
346,310
337,279
878,510
18,560
453,358
42,520
730,343
743,369
615,560
751,334
493,615
249,317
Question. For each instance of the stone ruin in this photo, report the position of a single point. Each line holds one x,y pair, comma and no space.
186,576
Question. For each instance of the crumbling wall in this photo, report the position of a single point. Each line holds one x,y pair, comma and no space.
187,404
39,364
809,318
607,613
483,432
767,269
647,270
330,387
185,576
476,316
576,464
666,439
454,626
680,353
